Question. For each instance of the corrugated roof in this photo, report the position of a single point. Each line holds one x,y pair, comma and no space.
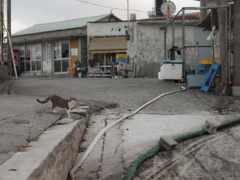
61,25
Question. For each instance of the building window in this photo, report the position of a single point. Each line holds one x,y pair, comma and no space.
61,56
31,58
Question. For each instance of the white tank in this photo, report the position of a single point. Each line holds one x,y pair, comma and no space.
133,17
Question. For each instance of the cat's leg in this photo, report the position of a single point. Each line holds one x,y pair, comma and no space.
53,108
68,112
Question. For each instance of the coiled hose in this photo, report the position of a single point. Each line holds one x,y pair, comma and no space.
134,165
94,142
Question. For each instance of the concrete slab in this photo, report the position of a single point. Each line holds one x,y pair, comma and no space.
134,137
90,169
51,157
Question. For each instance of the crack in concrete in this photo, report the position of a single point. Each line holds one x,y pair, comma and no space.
121,135
101,158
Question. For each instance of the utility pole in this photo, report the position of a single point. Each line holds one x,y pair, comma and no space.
9,56
223,33
1,29
236,52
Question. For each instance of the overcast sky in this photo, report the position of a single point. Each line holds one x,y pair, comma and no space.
26,13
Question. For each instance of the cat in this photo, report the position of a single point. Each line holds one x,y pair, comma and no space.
60,102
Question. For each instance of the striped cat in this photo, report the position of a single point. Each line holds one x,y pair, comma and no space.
60,102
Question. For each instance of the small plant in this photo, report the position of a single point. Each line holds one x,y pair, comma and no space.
29,139
113,105
22,148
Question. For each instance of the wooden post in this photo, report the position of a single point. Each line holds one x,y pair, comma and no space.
223,33
236,52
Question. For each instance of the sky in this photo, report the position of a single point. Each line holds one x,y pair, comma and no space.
26,13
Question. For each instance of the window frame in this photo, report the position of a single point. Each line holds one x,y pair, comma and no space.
27,63
58,56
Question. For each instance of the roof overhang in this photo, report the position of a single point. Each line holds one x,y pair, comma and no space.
108,45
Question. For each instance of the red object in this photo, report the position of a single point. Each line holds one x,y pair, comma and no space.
16,57
168,11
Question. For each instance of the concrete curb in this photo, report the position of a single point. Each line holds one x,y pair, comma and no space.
51,157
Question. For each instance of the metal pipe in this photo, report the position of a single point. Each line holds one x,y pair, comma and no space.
203,13
229,44
211,7
197,54
183,40
1,29
212,38
128,15
165,44
202,8
163,27
198,46
173,38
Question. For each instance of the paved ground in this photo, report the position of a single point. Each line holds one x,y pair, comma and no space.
207,157
126,95
129,94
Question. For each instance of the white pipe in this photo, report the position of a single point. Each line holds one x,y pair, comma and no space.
104,130
10,44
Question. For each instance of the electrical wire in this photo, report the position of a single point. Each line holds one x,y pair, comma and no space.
111,7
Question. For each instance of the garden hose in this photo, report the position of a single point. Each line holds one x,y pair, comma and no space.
103,131
135,164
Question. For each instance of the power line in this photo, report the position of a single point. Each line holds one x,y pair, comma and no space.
71,10
111,7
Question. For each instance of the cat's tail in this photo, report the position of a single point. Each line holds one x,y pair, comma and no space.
45,101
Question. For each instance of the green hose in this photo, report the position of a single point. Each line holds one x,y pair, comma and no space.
134,165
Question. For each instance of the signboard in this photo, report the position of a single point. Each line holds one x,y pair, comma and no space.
39,52
74,51
48,52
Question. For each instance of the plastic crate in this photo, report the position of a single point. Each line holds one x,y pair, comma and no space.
121,56
122,60
203,67
209,60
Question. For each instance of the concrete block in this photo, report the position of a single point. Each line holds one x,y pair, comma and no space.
82,110
211,126
195,80
65,121
78,111
236,90
167,142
